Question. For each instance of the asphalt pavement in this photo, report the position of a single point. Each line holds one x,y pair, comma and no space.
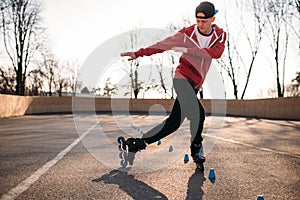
71,157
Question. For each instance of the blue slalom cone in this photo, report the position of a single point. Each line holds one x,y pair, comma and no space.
211,174
186,158
142,132
170,148
158,142
260,197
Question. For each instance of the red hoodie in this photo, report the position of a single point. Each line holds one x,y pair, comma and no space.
194,64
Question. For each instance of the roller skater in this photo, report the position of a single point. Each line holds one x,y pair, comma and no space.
199,44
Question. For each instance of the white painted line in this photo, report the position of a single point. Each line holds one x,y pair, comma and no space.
253,146
23,186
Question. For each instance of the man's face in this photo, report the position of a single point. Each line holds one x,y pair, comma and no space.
204,24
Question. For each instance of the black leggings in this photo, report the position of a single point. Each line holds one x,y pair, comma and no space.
187,106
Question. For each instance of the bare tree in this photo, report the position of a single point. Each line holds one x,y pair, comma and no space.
20,22
295,86
61,81
172,62
61,85
72,71
7,81
159,67
132,67
109,88
135,84
254,41
65,78
50,67
229,67
35,83
227,61
292,89
243,46
278,12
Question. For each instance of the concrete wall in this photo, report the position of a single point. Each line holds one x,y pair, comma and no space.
279,108
13,105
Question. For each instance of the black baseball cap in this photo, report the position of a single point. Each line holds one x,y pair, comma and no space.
207,8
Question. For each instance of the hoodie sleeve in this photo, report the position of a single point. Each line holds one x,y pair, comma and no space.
161,46
215,51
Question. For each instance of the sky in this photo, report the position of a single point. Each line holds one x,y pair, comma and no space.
75,28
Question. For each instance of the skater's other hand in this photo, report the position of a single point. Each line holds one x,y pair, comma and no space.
180,49
130,54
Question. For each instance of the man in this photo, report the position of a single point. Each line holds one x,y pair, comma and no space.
199,44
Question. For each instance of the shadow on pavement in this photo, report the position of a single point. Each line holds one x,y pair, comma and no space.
195,184
136,189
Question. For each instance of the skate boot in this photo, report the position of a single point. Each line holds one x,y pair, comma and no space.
134,145
129,148
198,156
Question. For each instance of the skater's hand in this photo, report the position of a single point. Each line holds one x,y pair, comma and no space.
130,54
180,49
